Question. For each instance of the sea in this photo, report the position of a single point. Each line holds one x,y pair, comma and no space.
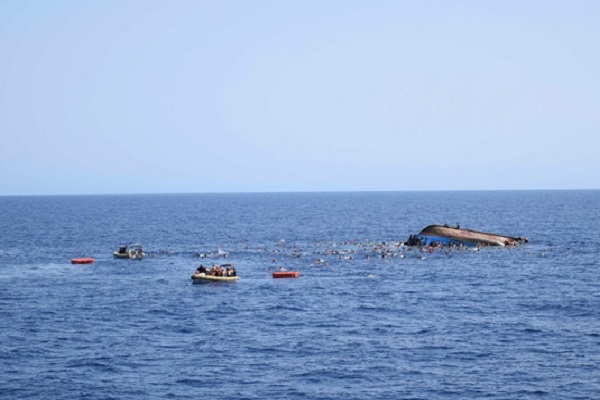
368,318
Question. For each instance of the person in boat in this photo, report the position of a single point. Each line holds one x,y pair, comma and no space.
201,269
122,249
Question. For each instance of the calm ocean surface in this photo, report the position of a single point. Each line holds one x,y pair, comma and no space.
497,323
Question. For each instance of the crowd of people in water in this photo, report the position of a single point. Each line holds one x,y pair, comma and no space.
323,253
223,271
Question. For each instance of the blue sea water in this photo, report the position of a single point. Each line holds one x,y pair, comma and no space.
370,320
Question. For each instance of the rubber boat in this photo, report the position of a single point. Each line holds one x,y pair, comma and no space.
203,275
447,236
286,274
83,260
203,278
133,251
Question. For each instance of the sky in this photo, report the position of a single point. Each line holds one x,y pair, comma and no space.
105,97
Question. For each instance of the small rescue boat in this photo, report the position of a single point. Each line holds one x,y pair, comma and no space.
83,260
286,274
133,251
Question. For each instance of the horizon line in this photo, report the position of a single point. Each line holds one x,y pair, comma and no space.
291,192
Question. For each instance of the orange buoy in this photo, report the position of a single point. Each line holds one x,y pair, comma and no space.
84,260
286,274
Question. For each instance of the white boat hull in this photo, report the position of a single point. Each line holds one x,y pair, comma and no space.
203,278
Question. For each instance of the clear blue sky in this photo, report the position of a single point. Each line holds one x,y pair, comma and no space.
237,96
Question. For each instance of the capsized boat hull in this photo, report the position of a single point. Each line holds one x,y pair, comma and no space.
203,278
445,235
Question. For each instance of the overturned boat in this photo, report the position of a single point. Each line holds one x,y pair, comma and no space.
445,235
